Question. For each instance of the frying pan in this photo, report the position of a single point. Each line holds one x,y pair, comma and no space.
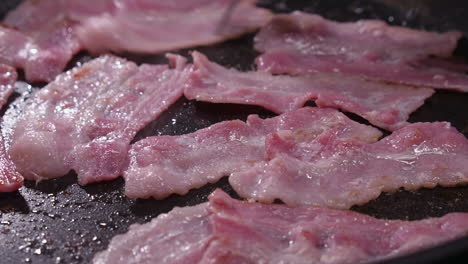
57,221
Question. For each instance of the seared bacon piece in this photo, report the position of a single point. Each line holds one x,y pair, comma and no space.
302,43
340,173
86,118
225,230
384,105
163,165
156,26
10,179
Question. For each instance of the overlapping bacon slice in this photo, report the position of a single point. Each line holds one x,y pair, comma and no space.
340,173
162,165
302,43
384,105
41,37
310,156
86,118
225,230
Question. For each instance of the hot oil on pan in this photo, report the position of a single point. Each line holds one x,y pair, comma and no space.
57,221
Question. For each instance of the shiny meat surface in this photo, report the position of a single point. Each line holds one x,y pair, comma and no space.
180,236
10,179
38,38
86,118
8,77
225,230
57,221
41,37
304,43
163,165
157,26
340,173
384,105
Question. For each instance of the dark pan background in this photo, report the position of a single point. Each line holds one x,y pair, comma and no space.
57,221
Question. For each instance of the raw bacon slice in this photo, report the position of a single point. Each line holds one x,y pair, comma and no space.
225,230
10,179
163,165
303,43
342,173
384,105
86,118
156,26
180,236
42,36
39,38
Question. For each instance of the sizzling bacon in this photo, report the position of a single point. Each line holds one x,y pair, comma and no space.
156,26
303,43
162,165
42,36
384,105
86,118
10,179
39,38
225,230
340,173
178,237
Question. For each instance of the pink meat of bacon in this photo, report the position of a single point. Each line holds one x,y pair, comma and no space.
163,165
39,38
10,179
302,43
42,36
156,26
384,105
340,173
86,118
225,230
180,236
8,77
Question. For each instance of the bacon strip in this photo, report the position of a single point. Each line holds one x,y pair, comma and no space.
341,173
225,230
39,38
86,118
162,165
302,43
42,36
152,27
384,105
10,179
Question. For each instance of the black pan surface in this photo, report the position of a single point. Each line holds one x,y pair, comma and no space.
57,221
